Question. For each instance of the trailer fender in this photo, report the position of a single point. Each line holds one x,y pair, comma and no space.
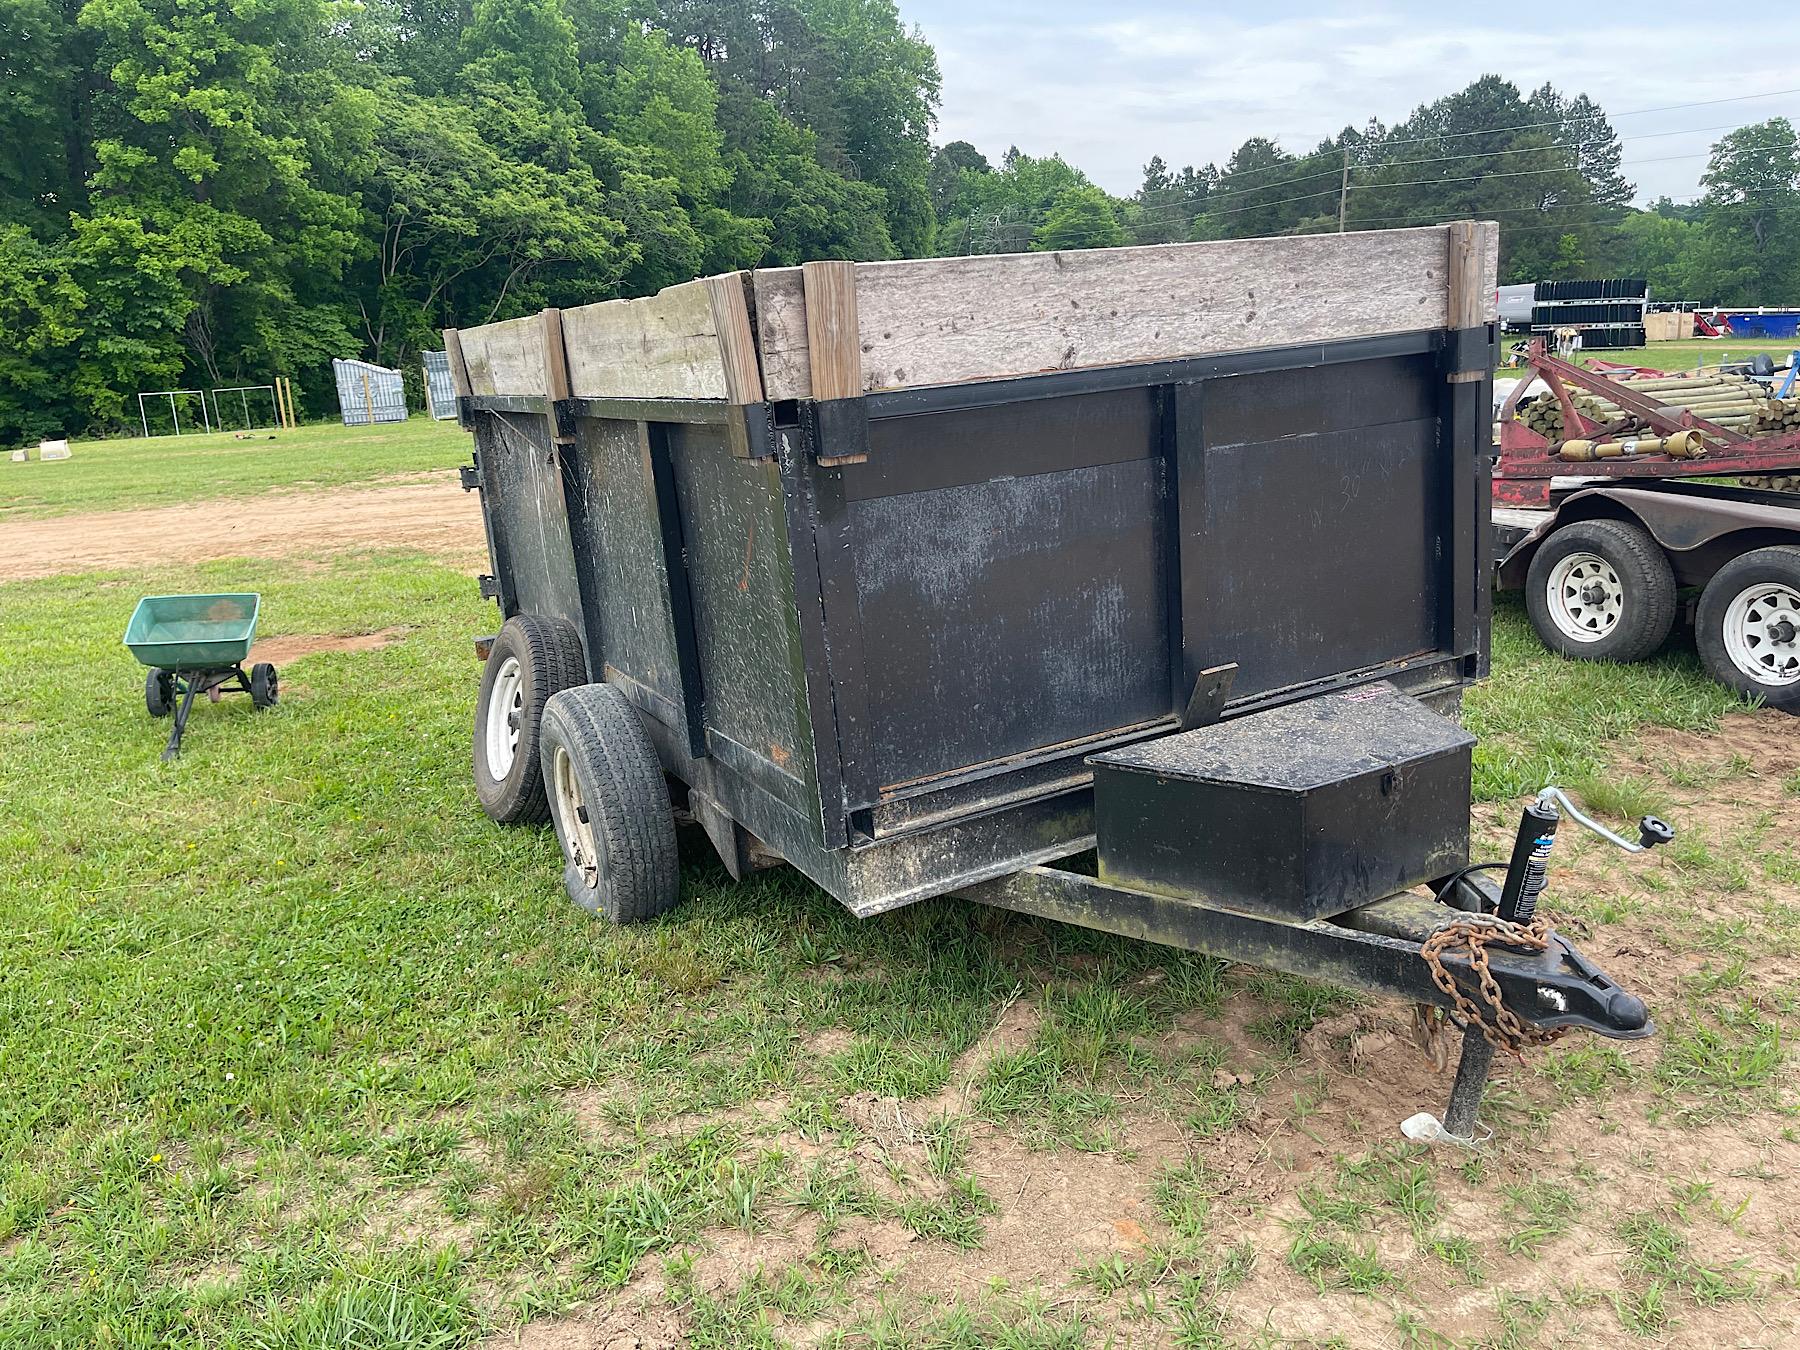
1701,527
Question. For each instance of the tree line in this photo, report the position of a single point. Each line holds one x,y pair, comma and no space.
202,194
206,194
1548,167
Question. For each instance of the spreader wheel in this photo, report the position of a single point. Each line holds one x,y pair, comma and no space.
159,692
265,685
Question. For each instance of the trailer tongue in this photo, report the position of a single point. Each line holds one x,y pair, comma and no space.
1294,839
935,577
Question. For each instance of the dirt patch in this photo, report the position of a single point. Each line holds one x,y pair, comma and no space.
1015,1028
437,517
281,650
629,1324
831,1041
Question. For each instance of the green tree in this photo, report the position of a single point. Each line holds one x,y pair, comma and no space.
948,164
226,137
1752,183
1001,211
1081,217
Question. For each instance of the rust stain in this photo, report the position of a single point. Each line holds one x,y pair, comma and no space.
749,550
780,754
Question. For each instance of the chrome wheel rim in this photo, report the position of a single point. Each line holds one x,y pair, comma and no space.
1762,633
571,810
505,710
1585,597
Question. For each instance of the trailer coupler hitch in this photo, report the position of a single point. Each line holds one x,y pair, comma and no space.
1569,985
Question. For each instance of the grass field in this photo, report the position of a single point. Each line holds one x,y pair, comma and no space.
164,470
301,1051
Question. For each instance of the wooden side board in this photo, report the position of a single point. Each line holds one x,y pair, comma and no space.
949,320
686,341
505,358
745,337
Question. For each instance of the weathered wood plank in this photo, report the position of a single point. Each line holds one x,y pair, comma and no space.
661,346
737,341
947,320
1471,287
833,339
506,357
781,332
459,366
556,368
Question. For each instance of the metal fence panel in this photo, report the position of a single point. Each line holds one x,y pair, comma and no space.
369,393
440,390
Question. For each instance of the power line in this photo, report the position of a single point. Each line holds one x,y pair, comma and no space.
1563,121
1574,148
1405,182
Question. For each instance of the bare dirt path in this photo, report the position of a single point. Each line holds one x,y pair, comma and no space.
436,516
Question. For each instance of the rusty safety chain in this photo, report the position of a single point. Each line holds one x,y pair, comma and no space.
1500,1026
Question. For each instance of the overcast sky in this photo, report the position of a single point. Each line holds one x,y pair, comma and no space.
1109,86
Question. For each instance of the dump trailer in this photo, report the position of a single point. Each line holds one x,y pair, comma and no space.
1608,514
1135,588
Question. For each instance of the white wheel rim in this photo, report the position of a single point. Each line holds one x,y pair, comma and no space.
577,829
1762,624
1585,597
505,710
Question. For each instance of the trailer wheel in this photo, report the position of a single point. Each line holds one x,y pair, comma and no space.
159,692
610,804
1601,590
1748,625
532,658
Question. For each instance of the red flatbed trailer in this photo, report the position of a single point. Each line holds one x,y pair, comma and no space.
1609,552
1528,462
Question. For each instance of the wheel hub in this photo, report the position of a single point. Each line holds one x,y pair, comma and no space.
1585,597
578,830
506,708
1762,625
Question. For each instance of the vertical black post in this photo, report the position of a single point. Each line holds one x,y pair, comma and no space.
1464,1111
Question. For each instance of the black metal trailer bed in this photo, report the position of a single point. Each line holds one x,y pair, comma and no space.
888,561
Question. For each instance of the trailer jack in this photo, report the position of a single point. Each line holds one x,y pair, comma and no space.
1523,984
1526,872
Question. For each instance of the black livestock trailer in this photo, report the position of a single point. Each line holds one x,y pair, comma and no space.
939,576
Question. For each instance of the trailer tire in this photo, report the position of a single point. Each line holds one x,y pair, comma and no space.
610,804
1601,590
533,658
159,692
1747,627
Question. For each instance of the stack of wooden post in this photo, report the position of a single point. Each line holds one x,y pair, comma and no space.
1733,401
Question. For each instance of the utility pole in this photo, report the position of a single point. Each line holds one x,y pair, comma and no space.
1344,190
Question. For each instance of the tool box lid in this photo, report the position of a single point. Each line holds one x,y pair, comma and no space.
1301,747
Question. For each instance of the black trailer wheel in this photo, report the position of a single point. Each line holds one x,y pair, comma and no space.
159,692
1601,590
265,685
1748,626
532,658
610,804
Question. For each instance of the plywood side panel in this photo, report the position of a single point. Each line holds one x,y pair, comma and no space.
948,320
505,358
661,346
781,332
